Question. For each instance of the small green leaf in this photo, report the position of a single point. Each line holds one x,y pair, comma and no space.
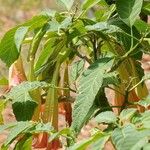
48,12
87,4
24,144
127,114
144,102
129,10
76,69
19,36
106,117
142,26
23,104
146,7
82,145
7,126
67,3
65,131
41,127
104,26
143,120
45,53
17,130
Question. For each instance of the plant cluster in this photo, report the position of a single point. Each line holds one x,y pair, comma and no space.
73,57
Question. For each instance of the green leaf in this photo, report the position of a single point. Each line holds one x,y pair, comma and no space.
41,127
17,130
76,69
7,126
127,114
19,36
142,26
45,53
82,145
104,26
146,7
65,132
12,40
142,120
87,4
100,143
24,144
145,102
106,117
23,104
146,147
67,3
11,43
89,85
65,23
129,10
48,12
128,138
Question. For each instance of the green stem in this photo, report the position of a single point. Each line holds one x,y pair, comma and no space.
51,105
32,52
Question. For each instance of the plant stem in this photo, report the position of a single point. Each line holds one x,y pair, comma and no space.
51,105
31,57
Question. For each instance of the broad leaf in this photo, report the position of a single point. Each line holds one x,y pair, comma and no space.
23,104
128,138
12,40
67,3
89,85
129,10
87,4
106,117
17,130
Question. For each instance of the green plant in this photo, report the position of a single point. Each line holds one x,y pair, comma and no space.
104,51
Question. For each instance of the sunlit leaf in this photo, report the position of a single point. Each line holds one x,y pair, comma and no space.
129,10
67,3
12,40
87,4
